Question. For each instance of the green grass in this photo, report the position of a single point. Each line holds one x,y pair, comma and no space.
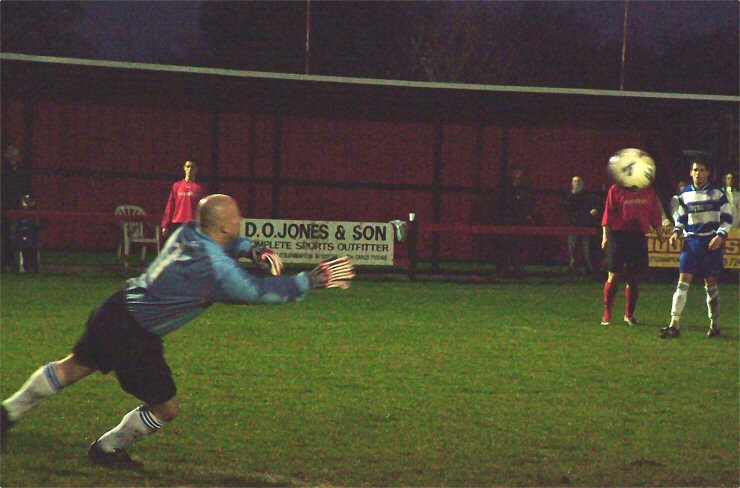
395,384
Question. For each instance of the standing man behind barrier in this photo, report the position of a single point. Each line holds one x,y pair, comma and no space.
733,197
16,182
628,215
183,200
704,217
581,210
25,237
515,206
197,268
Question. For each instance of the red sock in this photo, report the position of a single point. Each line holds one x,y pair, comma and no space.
610,293
631,294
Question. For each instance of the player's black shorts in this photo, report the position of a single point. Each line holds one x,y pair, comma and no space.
627,250
114,341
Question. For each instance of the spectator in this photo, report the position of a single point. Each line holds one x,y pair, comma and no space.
183,200
25,237
515,206
733,197
581,210
704,218
16,182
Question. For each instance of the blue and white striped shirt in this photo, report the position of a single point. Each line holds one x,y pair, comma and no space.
703,212
192,273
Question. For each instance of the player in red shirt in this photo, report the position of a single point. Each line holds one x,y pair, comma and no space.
628,215
183,200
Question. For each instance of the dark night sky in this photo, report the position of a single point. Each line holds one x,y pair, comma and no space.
346,34
175,24
120,29
657,19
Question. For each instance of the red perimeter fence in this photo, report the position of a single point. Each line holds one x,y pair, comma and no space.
94,138
407,253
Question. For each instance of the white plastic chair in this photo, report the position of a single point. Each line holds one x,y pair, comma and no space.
134,232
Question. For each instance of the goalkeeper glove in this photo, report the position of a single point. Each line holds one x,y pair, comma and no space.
267,260
333,273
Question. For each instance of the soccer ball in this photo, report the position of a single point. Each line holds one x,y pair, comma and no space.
632,168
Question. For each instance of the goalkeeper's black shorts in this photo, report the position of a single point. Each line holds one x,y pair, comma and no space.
114,341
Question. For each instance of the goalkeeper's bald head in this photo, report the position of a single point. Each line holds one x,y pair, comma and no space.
219,218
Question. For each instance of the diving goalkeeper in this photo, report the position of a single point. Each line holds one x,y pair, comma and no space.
197,268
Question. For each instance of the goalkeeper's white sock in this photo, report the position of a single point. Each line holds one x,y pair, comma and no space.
679,302
135,425
44,383
713,304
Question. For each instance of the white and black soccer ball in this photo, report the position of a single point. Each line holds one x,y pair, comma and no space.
632,168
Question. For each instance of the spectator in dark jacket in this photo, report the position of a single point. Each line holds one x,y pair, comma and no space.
515,207
16,182
25,237
581,210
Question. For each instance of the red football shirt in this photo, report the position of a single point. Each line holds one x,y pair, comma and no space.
631,210
182,202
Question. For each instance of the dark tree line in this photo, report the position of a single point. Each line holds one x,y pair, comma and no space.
507,43
44,28
524,43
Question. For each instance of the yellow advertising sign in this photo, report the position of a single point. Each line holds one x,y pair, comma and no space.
665,256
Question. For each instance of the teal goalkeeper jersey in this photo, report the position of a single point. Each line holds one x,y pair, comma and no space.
192,273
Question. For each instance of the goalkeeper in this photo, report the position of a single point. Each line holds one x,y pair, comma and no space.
197,267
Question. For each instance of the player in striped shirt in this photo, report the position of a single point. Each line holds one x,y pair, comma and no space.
704,218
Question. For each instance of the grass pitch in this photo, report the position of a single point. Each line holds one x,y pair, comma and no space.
395,384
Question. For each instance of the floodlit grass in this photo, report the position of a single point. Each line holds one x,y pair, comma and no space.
395,384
